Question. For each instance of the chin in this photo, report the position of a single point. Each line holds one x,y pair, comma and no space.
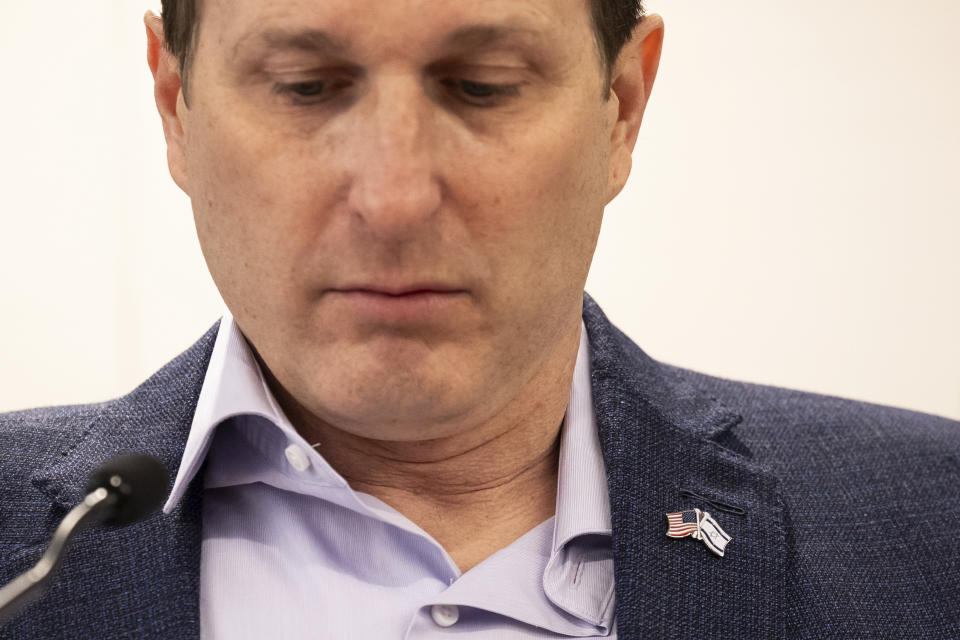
408,387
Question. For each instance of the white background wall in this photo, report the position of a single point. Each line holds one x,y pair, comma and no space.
793,217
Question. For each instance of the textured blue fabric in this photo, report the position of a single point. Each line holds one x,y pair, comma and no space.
850,530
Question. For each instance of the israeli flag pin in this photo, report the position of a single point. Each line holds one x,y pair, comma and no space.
699,525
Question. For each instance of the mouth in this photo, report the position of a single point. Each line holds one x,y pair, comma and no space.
400,290
416,303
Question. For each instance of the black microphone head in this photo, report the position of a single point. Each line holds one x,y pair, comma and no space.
138,481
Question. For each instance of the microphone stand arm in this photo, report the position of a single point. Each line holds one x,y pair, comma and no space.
28,586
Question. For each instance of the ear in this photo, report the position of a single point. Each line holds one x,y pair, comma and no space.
631,84
168,95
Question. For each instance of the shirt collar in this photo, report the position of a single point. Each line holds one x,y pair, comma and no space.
578,577
234,385
583,504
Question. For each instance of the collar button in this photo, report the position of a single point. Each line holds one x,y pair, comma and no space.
297,458
445,615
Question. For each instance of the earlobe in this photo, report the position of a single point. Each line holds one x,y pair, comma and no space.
167,93
632,82
621,162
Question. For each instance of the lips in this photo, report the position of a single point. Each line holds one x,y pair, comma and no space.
399,290
404,304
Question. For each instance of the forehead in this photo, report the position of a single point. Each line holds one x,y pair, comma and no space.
395,27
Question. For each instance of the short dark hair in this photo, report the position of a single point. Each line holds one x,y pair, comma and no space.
613,23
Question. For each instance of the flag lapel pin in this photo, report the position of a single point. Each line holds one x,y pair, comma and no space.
698,525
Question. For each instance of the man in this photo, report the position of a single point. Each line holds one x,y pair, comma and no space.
413,422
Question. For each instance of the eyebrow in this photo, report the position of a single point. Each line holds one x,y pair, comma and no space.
475,36
307,40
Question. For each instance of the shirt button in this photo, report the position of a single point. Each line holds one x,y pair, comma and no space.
297,458
445,615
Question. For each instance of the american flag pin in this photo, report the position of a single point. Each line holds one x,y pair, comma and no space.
699,525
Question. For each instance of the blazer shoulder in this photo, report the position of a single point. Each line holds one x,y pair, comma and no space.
788,412
841,451
33,436
53,417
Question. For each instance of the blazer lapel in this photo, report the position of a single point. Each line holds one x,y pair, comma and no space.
142,579
661,442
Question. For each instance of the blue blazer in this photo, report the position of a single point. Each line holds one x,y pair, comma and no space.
850,523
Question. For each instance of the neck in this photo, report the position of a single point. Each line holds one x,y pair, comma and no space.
498,475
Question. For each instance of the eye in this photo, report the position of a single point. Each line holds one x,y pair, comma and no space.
480,94
309,91
478,89
305,89
477,94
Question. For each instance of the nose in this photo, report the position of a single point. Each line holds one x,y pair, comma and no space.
395,186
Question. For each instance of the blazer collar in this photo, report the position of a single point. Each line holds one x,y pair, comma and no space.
660,439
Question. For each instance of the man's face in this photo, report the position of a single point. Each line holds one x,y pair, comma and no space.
401,213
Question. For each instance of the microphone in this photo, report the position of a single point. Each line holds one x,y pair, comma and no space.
121,491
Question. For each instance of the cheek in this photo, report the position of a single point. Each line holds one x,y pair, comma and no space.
245,199
549,194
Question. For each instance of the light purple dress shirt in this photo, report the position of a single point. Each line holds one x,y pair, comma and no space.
291,551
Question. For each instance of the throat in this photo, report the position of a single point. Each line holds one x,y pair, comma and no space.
472,526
